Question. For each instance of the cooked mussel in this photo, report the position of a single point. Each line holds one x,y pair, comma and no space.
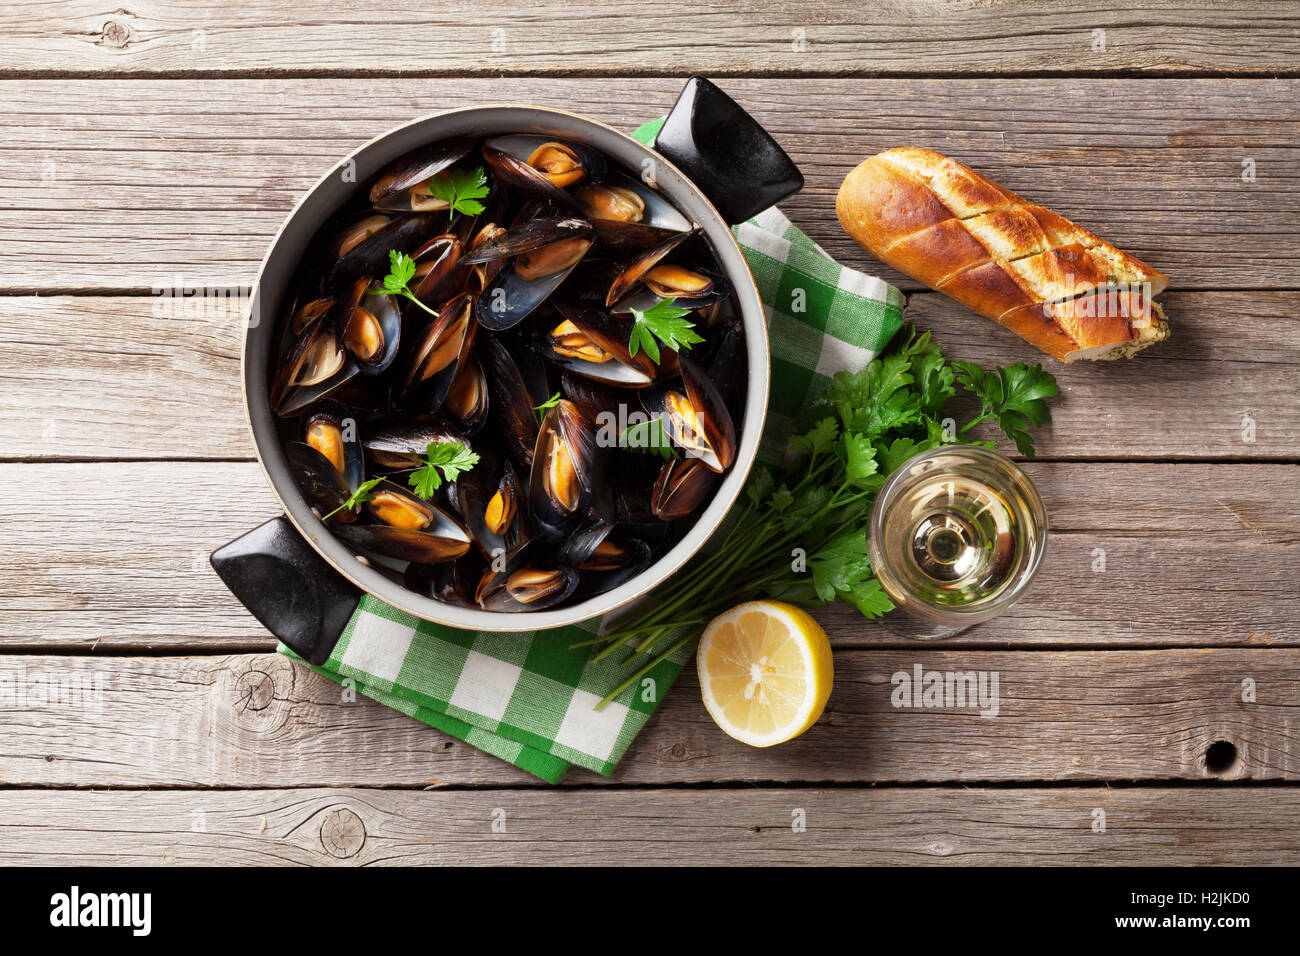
439,273
321,482
403,544
514,399
316,364
438,354
593,344
495,511
640,263
468,399
372,327
611,563
404,185
333,433
397,446
681,487
542,253
696,417
543,168
369,257
566,470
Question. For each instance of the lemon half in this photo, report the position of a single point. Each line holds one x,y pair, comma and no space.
765,671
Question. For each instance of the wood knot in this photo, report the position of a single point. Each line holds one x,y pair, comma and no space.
342,833
116,34
254,690
679,750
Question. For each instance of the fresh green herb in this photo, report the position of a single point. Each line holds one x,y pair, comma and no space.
357,498
663,321
801,535
546,406
461,190
400,273
650,437
442,460
1013,396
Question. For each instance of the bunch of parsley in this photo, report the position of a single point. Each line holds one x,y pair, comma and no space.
801,535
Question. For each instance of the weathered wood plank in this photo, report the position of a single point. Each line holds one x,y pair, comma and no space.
898,826
164,184
115,554
827,37
90,377
262,721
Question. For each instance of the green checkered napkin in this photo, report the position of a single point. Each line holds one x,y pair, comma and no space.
527,697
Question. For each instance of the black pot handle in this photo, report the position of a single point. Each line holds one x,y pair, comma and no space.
287,586
734,161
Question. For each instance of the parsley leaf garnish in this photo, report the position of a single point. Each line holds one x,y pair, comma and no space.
547,405
442,460
649,436
663,321
357,498
461,190
401,270
1013,396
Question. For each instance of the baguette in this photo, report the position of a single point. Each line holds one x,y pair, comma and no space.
1052,282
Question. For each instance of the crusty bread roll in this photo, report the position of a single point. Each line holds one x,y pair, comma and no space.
1053,283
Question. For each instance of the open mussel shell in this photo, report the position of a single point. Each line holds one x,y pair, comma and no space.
403,185
397,446
695,417
566,471
402,544
593,344
542,167
542,253
439,273
681,488
687,288
639,264
333,433
316,365
368,258
371,325
621,198
495,511
514,399
322,484
438,353
614,561
468,400
522,580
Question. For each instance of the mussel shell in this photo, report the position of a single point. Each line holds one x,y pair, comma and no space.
468,400
402,544
403,445
526,588
438,353
583,542
369,258
713,442
321,483
615,561
474,493
608,335
681,488
507,158
566,446
451,581
415,167
288,398
363,305
439,273
640,264
526,237
513,400
658,210
330,430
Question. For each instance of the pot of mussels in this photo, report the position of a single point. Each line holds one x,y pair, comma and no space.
506,368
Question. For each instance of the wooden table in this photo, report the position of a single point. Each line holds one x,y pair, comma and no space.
1149,684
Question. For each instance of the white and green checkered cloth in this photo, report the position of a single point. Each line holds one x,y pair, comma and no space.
529,698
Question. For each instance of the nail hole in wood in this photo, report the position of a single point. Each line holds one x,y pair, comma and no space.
1220,757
